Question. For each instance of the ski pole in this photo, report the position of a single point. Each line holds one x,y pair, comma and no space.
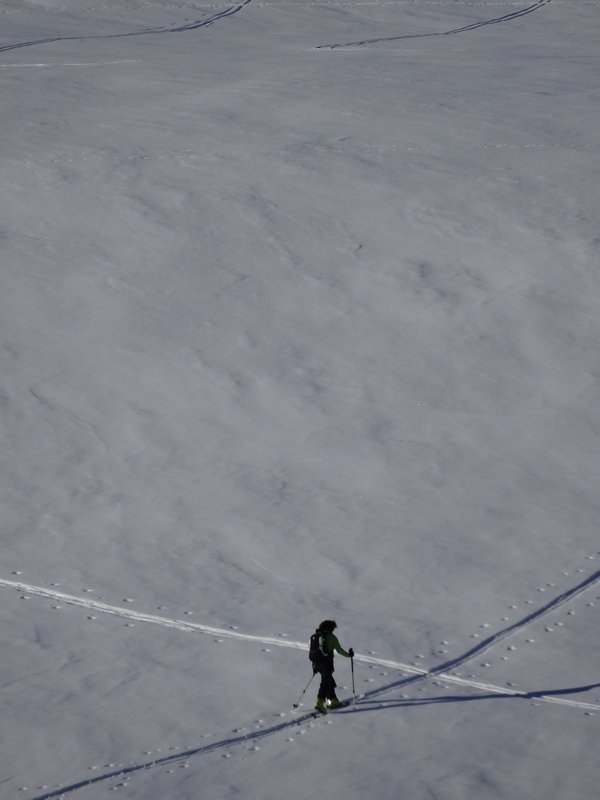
295,705
352,668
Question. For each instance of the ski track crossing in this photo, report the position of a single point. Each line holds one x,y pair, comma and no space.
441,671
366,701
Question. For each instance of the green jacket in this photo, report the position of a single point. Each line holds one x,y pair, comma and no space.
332,644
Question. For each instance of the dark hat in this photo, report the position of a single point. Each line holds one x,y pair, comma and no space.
327,626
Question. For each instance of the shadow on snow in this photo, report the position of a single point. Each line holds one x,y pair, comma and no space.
366,701
366,704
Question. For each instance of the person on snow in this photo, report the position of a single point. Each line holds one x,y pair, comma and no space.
323,644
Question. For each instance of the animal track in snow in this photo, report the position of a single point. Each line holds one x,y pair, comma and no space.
550,627
249,738
418,672
232,632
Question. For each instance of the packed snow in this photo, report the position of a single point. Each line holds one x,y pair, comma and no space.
299,319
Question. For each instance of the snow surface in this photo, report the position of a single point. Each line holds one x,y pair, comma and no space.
300,313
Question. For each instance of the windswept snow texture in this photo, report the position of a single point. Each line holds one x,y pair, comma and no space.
299,319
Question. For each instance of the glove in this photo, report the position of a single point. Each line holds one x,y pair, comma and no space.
351,653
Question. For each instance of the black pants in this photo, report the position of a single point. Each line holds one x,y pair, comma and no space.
328,684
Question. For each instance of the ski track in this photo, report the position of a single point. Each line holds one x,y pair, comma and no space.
231,10
188,26
473,26
367,700
417,674
441,671
252,737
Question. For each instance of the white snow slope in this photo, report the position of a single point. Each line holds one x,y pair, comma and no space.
299,319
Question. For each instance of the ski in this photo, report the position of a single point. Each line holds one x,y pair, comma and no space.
316,714
350,701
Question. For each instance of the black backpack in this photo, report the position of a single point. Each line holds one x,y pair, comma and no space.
317,651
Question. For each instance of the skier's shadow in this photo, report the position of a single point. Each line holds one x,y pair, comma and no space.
379,705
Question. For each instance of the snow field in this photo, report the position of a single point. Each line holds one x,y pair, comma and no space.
289,333
376,695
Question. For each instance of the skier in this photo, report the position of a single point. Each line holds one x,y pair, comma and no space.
323,643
